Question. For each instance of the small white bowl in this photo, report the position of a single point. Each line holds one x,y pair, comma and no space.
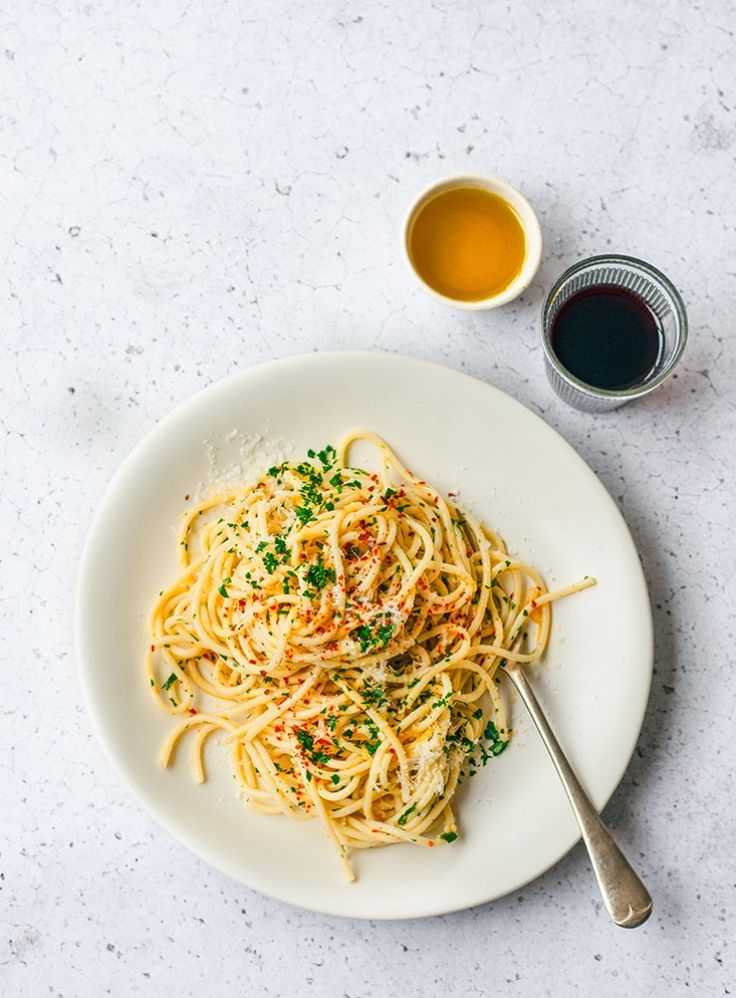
529,223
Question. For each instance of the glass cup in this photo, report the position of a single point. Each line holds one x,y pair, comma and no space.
643,280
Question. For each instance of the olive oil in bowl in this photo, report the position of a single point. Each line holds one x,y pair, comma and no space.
473,242
467,243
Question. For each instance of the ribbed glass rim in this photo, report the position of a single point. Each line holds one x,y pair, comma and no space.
658,277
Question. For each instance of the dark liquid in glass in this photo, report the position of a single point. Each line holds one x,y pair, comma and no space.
607,337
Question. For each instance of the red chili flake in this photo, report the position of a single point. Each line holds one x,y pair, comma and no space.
192,710
153,647
186,497
430,843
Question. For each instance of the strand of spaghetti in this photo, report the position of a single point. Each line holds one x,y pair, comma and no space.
574,587
330,827
167,749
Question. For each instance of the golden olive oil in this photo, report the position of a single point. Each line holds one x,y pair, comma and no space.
466,243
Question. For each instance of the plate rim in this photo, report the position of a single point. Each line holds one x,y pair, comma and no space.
179,411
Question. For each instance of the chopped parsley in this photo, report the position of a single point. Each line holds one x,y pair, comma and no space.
496,744
305,739
270,562
364,635
401,820
318,574
373,693
370,639
327,457
384,632
449,836
305,515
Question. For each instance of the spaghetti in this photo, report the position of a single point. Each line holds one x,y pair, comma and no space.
343,630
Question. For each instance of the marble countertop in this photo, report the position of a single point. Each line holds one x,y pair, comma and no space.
189,188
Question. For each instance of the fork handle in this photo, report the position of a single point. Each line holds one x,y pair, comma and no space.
628,901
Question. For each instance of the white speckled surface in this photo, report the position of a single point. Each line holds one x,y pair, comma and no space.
188,188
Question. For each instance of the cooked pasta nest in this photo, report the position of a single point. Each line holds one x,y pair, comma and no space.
343,630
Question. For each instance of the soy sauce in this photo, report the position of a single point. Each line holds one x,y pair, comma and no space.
607,337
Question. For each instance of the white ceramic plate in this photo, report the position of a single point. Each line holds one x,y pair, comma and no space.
515,473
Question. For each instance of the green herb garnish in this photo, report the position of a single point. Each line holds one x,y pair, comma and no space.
496,744
402,819
318,574
304,515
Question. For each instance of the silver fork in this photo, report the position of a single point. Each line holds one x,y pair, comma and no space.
627,899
